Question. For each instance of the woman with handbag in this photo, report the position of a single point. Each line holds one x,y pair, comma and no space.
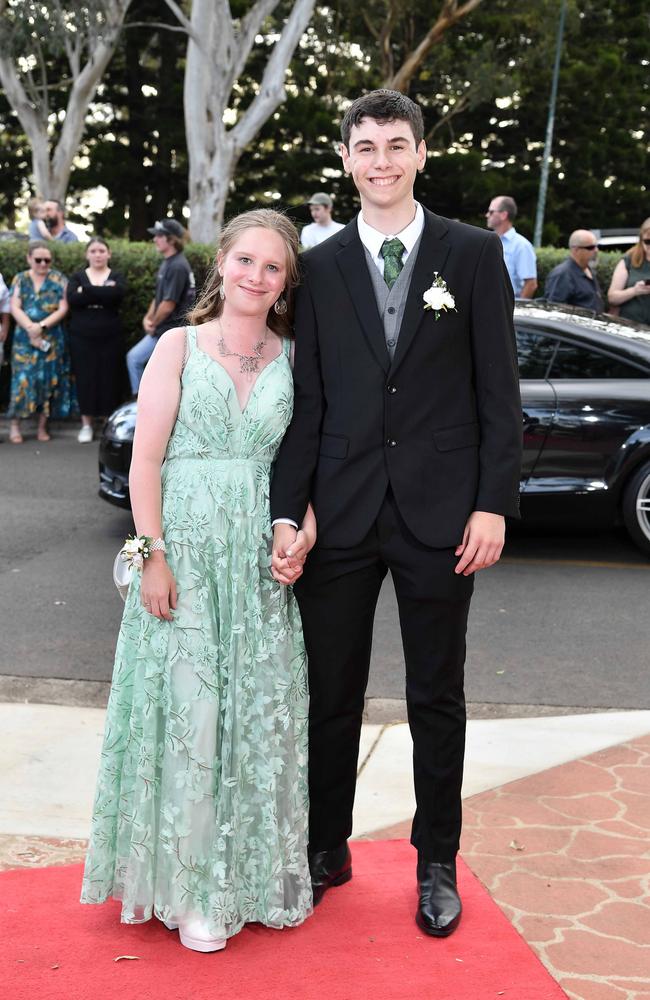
200,816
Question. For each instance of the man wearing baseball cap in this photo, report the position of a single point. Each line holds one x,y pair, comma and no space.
175,292
323,226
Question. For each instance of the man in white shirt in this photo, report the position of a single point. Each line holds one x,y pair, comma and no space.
323,226
518,252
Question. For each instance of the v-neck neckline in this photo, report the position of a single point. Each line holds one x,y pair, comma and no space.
242,410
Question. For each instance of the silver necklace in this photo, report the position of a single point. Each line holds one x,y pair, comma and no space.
248,363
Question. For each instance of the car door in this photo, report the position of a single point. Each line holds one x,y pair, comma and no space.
535,349
594,418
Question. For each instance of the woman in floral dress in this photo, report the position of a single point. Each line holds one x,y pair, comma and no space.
40,365
200,815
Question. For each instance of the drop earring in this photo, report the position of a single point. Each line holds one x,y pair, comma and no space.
222,294
280,306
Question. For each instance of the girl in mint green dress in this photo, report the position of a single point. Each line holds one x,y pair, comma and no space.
201,810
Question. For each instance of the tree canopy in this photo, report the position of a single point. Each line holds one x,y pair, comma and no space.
483,83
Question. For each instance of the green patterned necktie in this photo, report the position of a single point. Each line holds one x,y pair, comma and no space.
391,251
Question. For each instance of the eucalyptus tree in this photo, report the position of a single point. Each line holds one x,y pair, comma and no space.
52,58
218,128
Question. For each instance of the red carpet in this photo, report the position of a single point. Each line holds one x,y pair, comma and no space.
361,943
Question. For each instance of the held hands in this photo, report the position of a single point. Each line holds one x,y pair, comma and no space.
482,542
158,587
290,548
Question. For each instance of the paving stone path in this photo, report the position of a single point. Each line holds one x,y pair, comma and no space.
566,855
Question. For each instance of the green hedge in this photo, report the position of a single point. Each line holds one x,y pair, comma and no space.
138,262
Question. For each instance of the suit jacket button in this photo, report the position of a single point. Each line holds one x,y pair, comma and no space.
391,443
392,389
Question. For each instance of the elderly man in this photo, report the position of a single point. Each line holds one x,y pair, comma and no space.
574,281
323,226
518,252
54,219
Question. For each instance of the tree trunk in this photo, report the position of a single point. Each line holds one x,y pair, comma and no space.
52,168
208,188
451,13
217,51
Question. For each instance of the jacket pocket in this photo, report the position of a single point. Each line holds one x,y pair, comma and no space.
334,446
463,436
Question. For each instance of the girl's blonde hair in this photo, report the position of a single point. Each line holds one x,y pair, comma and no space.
637,253
209,305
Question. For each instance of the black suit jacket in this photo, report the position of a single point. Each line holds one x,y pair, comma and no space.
441,424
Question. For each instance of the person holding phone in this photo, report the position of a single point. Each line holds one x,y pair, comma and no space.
629,290
40,365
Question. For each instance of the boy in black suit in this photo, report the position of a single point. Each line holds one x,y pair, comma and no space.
406,437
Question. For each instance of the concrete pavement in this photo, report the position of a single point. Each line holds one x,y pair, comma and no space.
557,819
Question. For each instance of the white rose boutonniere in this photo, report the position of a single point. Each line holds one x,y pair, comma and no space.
438,297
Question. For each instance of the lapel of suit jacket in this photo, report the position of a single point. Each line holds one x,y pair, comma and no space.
432,256
351,259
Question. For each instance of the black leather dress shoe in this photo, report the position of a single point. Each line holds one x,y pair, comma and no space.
440,907
329,868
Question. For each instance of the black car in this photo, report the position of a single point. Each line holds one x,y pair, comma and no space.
585,388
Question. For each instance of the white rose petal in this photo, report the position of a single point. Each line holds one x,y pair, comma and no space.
448,301
434,298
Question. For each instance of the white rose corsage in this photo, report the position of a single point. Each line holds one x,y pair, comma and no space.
438,297
135,550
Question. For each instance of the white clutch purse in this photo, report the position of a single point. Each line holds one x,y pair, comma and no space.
122,573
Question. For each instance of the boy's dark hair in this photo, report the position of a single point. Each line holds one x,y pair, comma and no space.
383,106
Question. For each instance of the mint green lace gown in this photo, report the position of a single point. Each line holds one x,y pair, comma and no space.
201,807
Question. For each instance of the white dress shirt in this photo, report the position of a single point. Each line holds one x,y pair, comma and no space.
373,240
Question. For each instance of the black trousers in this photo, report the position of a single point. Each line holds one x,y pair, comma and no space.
337,596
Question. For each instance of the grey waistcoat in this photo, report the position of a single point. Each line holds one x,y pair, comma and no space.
392,299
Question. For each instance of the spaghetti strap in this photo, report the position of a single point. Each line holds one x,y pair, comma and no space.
190,344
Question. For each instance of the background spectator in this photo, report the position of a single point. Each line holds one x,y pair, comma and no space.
323,226
175,293
518,252
574,281
630,286
37,228
40,374
94,296
55,222
5,313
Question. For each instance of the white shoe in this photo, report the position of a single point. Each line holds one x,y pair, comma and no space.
85,435
195,935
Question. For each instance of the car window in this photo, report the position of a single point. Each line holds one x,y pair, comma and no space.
534,352
573,361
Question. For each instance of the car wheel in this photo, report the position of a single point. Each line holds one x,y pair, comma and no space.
636,507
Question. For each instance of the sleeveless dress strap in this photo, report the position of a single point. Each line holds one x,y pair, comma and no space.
190,344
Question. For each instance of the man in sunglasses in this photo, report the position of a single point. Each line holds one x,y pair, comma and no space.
574,281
